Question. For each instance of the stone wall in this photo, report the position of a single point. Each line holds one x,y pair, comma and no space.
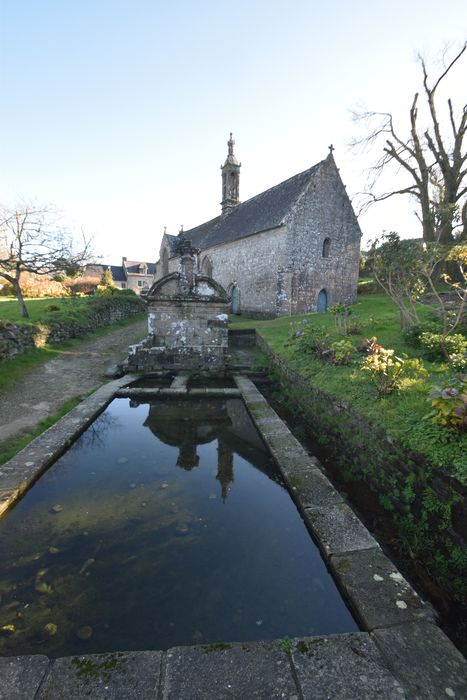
16,339
323,212
251,264
183,335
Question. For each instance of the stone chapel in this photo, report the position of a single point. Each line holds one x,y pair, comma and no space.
292,249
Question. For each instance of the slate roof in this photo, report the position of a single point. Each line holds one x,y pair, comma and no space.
173,242
265,211
118,274
132,266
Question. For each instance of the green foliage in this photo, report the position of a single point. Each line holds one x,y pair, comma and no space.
450,404
106,280
314,339
386,369
396,268
458,361
342,352
345,319
286,644
412,335
436,346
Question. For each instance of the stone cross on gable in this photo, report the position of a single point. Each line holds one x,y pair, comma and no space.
331,148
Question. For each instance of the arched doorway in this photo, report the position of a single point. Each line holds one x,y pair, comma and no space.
235,300
322,304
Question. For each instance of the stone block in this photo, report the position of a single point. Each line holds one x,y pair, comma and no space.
424,660
377,591
21,676
311,487
343,667
230,671
113,676
338,529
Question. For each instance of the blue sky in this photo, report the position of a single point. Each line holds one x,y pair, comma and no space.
118,111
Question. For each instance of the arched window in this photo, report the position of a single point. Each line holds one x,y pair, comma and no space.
206,266
326,247
165,262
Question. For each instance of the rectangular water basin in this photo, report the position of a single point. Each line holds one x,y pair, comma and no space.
165,524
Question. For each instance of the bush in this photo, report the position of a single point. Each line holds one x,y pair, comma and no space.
436,346
6,289
314,340
36,287
412,334
387,370
346,321
384,367
458,361
450,404
342,352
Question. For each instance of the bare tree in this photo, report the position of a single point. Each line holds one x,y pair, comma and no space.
32,241
432,158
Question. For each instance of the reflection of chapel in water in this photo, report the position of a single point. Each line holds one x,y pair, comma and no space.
188,424
185,424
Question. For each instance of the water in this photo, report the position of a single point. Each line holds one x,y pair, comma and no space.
165,524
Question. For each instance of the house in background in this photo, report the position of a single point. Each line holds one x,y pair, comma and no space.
131,274
294,248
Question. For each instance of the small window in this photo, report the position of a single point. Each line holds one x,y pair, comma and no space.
165,262
140,284
326,247
123,285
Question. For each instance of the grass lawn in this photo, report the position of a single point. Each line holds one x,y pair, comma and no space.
44,310
402,414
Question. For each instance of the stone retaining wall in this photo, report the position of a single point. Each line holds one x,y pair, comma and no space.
428,506
16,339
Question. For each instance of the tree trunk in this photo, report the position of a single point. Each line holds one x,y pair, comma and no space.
19,296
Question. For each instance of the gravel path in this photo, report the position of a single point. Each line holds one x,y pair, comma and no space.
44,390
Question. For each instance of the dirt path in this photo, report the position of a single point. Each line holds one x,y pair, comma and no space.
44,390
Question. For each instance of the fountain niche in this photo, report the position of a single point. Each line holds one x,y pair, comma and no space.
187,321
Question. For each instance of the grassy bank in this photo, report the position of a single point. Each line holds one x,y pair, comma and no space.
74,309
401,414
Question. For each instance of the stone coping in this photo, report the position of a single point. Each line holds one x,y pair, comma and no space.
145,392
407,661
400,652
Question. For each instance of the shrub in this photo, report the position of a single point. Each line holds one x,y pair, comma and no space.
6,289
314,340
412,334
342,352
436,346
36,286
346,321
384,367
450,404
458,361
51,307
367,345
387,370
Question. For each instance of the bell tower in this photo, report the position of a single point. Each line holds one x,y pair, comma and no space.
230,180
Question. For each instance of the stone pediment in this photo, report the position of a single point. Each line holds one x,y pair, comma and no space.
175,286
